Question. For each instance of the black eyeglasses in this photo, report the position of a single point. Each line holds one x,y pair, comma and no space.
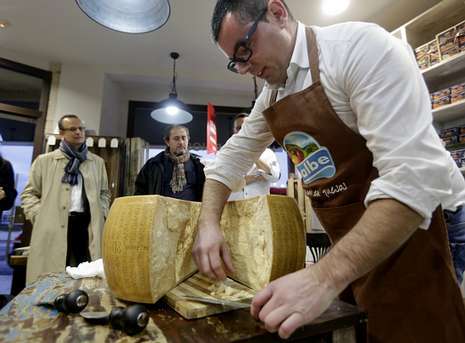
242,52
74,129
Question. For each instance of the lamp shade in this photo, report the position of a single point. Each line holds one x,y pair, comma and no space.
172,111
129,16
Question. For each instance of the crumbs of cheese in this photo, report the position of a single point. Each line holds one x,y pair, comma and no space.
222,291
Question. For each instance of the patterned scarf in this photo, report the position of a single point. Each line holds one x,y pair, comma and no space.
76,157
178,179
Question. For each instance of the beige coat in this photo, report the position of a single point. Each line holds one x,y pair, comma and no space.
46,202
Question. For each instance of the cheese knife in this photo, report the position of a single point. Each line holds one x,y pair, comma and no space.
221,302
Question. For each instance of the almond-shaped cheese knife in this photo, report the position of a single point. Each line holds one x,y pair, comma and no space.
221,302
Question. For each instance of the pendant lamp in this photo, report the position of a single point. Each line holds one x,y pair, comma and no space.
172,110
128,16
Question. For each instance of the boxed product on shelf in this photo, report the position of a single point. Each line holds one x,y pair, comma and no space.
461,138
453,135
450,132
440,98
423,62
460,36
422,56
427,54
457,92
450,140
447,43
459,157
433,53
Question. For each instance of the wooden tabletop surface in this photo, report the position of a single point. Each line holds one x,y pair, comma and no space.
22,321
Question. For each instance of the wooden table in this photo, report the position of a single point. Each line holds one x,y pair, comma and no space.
22,321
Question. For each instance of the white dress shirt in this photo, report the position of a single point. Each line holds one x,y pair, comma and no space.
261,186
76,203
375,86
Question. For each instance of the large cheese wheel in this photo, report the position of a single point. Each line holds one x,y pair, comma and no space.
147,243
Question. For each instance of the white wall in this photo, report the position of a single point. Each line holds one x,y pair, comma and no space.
80,92
113,120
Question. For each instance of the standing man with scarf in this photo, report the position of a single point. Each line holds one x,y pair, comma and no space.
175,172
66,199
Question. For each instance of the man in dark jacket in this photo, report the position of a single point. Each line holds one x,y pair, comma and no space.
7,186
175,172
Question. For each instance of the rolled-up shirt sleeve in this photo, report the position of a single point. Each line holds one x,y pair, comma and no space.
237,156
392,106
269,157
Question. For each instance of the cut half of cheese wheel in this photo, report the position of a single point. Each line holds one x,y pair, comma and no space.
147,243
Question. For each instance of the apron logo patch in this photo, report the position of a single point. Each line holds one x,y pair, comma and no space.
311,160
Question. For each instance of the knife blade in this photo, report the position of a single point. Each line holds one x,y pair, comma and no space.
221,302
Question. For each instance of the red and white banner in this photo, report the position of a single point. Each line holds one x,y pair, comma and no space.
211,130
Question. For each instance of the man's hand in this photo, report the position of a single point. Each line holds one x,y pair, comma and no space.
2,193
293,301
297,299
210,252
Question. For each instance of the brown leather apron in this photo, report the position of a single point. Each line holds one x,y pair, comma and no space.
413,295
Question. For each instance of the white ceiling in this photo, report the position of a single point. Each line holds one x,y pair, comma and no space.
57,30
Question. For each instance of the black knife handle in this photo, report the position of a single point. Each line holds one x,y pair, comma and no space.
131,320
73,302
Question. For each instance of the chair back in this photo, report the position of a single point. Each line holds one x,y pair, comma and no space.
319,244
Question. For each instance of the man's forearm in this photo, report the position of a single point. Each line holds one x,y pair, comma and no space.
383,228
215,195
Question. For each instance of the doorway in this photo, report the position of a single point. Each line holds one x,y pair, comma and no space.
24,93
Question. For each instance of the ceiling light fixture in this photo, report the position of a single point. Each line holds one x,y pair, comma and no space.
4,24
128,16
172,110
334,7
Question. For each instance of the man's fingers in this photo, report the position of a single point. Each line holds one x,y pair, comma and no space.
274,319
260,299
208,252
196,256
226,256
204,264
292,323
216,264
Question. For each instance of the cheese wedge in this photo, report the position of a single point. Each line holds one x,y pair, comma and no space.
147,243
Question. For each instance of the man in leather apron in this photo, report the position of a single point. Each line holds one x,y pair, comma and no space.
390,244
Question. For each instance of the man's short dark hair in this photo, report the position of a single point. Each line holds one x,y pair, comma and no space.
240,115
236,117
66,116
168,130
246,10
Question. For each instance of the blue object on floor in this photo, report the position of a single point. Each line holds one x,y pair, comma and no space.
456,231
